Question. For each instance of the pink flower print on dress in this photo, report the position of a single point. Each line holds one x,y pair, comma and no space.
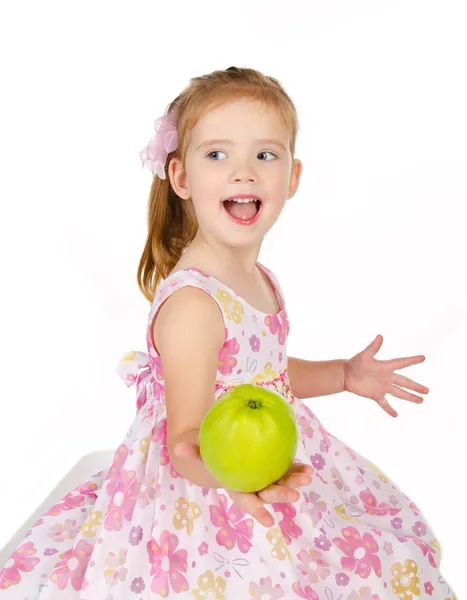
124,491
305,592
72,566
227,361
115,570
123,487
165,460
147,492
373,508
338,481
312,566
265,588
364,593
168,563
360,552
157,391
76,498
59,532
305,426
290,530
314,507
160,439
23,560
232,529
120,456
426,549
278,324
159,433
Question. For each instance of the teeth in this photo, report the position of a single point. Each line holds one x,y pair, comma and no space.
243,200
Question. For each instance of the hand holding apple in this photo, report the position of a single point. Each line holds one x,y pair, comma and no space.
248,441
283,490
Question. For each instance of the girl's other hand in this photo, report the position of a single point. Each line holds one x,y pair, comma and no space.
284,490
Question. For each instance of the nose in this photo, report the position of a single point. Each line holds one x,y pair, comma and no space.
244,171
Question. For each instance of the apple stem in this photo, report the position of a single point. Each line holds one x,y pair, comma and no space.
254,403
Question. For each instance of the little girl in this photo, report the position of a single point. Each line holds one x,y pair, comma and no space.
156,523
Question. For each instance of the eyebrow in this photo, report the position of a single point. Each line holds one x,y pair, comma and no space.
230,142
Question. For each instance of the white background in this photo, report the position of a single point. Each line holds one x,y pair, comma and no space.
373,241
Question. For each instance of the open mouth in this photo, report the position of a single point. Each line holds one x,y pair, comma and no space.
242,210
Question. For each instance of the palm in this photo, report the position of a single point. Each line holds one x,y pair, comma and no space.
371,378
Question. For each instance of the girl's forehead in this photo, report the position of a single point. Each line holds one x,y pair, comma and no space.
249,117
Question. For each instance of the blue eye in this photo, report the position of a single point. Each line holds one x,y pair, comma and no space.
219,151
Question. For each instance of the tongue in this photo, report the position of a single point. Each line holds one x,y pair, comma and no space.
241,210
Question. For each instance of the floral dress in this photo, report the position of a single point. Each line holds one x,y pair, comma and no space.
138,530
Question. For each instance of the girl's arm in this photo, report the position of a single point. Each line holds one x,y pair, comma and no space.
188,333
310,378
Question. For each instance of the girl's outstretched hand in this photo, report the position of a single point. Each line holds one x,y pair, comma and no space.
284,490
366,376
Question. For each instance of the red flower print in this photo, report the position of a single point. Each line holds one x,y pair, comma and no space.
360,552
232,529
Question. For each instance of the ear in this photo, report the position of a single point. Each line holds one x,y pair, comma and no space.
295,177
177,176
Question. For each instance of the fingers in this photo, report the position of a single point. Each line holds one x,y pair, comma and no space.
278,493
282,491
294,480
406,361
254,506
285,490
300,467
386,406
402,381
399,393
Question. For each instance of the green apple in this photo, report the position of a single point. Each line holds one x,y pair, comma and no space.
248,438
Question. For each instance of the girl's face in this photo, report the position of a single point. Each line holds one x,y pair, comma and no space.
242,163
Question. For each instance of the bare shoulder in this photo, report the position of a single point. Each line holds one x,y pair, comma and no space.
185,314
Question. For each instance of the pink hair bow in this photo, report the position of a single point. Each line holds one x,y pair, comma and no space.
164,141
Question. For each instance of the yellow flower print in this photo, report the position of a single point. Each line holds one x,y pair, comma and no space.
381,476
405,584
233,308
144,447
89,527
129,356
185,514
276,539
266,375
341,511
210,588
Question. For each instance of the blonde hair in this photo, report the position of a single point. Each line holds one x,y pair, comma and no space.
172,223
